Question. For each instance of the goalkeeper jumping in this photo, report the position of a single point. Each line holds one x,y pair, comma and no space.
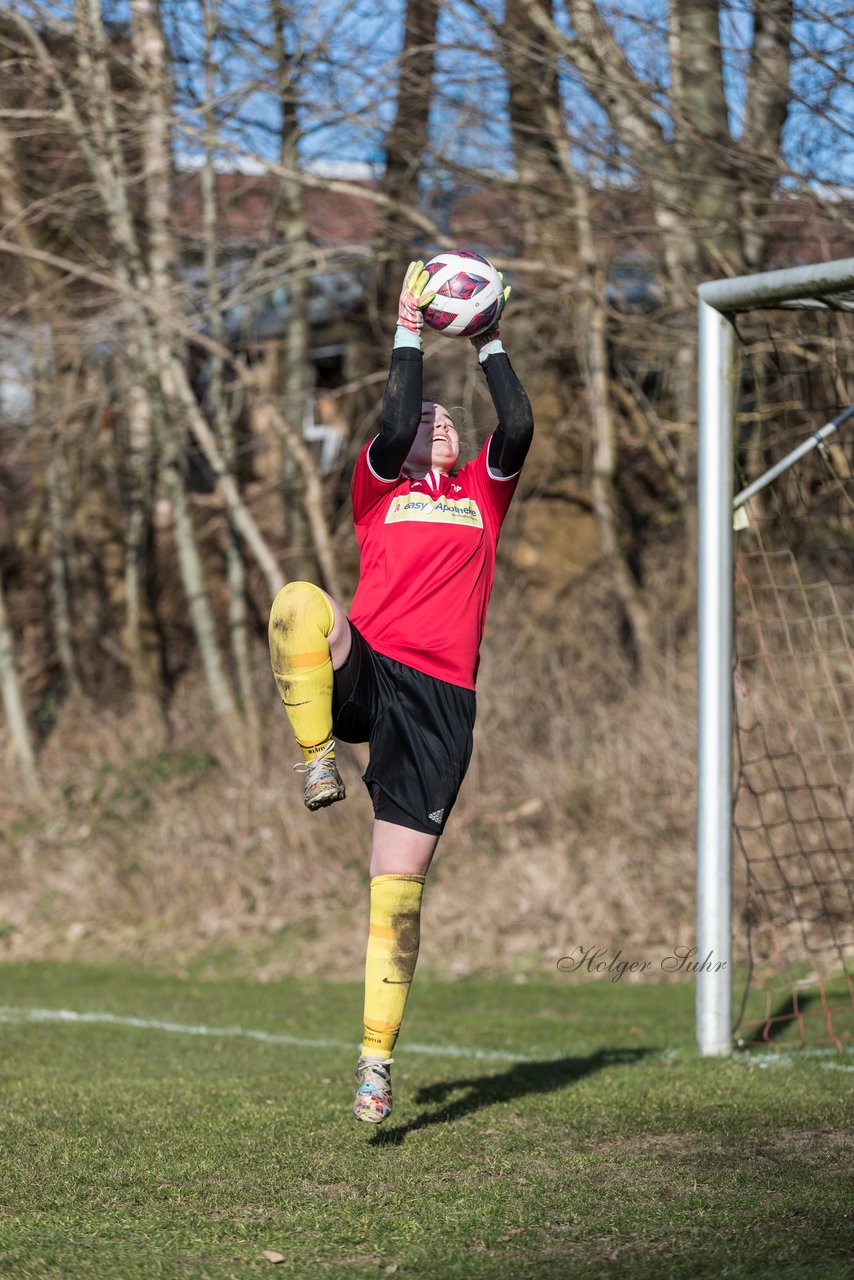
400,672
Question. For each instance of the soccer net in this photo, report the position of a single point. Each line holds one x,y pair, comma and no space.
776,658
793,813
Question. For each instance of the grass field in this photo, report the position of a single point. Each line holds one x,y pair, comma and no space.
544,1129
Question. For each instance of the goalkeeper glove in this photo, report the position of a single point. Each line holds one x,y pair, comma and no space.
489,342
414,297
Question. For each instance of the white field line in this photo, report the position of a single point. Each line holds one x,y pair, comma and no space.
13,1013
788,1057
22,1014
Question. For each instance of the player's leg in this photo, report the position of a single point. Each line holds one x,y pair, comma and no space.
310,638
400,858
420,748
397,850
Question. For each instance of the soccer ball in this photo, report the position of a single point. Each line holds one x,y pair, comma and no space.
469,294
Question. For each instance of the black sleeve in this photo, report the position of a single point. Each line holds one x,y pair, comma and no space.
401,413
512,438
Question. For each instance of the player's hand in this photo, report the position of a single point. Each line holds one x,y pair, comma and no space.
414,297
490,334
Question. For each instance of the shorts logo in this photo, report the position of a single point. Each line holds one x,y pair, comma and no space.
436,815
417,506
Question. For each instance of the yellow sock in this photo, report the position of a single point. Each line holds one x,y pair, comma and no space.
393,942
301,621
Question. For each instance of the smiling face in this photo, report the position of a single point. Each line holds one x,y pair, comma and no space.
436,443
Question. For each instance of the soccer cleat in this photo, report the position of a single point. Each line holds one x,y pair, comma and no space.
323,782
373,1094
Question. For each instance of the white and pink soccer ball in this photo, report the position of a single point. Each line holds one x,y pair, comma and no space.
469,294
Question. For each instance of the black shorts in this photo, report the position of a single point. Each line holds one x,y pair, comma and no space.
419,730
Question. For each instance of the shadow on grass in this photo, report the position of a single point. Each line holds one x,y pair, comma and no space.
517,1082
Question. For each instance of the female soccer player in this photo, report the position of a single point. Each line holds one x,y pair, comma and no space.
400,672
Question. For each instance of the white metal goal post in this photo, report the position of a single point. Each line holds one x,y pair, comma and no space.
822,285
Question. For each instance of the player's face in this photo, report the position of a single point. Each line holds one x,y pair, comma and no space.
436,443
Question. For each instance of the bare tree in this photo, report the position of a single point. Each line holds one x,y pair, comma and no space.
148,276
534,105
705,184
404,145
559,225
51,386
13,702
214,391
51,396
136,480
295,361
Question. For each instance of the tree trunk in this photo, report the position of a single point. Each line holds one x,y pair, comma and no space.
314,496
703,144
214,394
765,111
135,450
532,81
149,54
542,159
54,396
592,343
13,703
291,225
405,143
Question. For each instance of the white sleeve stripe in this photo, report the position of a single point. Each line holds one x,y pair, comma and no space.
375,474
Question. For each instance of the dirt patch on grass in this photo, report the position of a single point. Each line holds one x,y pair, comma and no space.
331,1190
831,1150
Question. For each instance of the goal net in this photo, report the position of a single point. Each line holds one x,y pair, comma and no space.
794,675
776,658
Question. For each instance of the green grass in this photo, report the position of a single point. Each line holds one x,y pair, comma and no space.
615,1151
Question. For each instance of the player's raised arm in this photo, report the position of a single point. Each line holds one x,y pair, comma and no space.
509,444
401,411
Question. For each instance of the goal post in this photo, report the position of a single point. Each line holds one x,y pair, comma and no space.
719,301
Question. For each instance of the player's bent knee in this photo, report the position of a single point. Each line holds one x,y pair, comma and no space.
297,607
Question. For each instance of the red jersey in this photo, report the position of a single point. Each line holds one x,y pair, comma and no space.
427,564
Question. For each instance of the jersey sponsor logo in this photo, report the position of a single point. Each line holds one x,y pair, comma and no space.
458,511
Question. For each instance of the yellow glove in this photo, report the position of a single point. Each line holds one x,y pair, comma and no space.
414,297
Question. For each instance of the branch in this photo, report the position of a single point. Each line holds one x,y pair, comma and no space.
317,521
125,290
106,170
340,186
606,71
173,378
